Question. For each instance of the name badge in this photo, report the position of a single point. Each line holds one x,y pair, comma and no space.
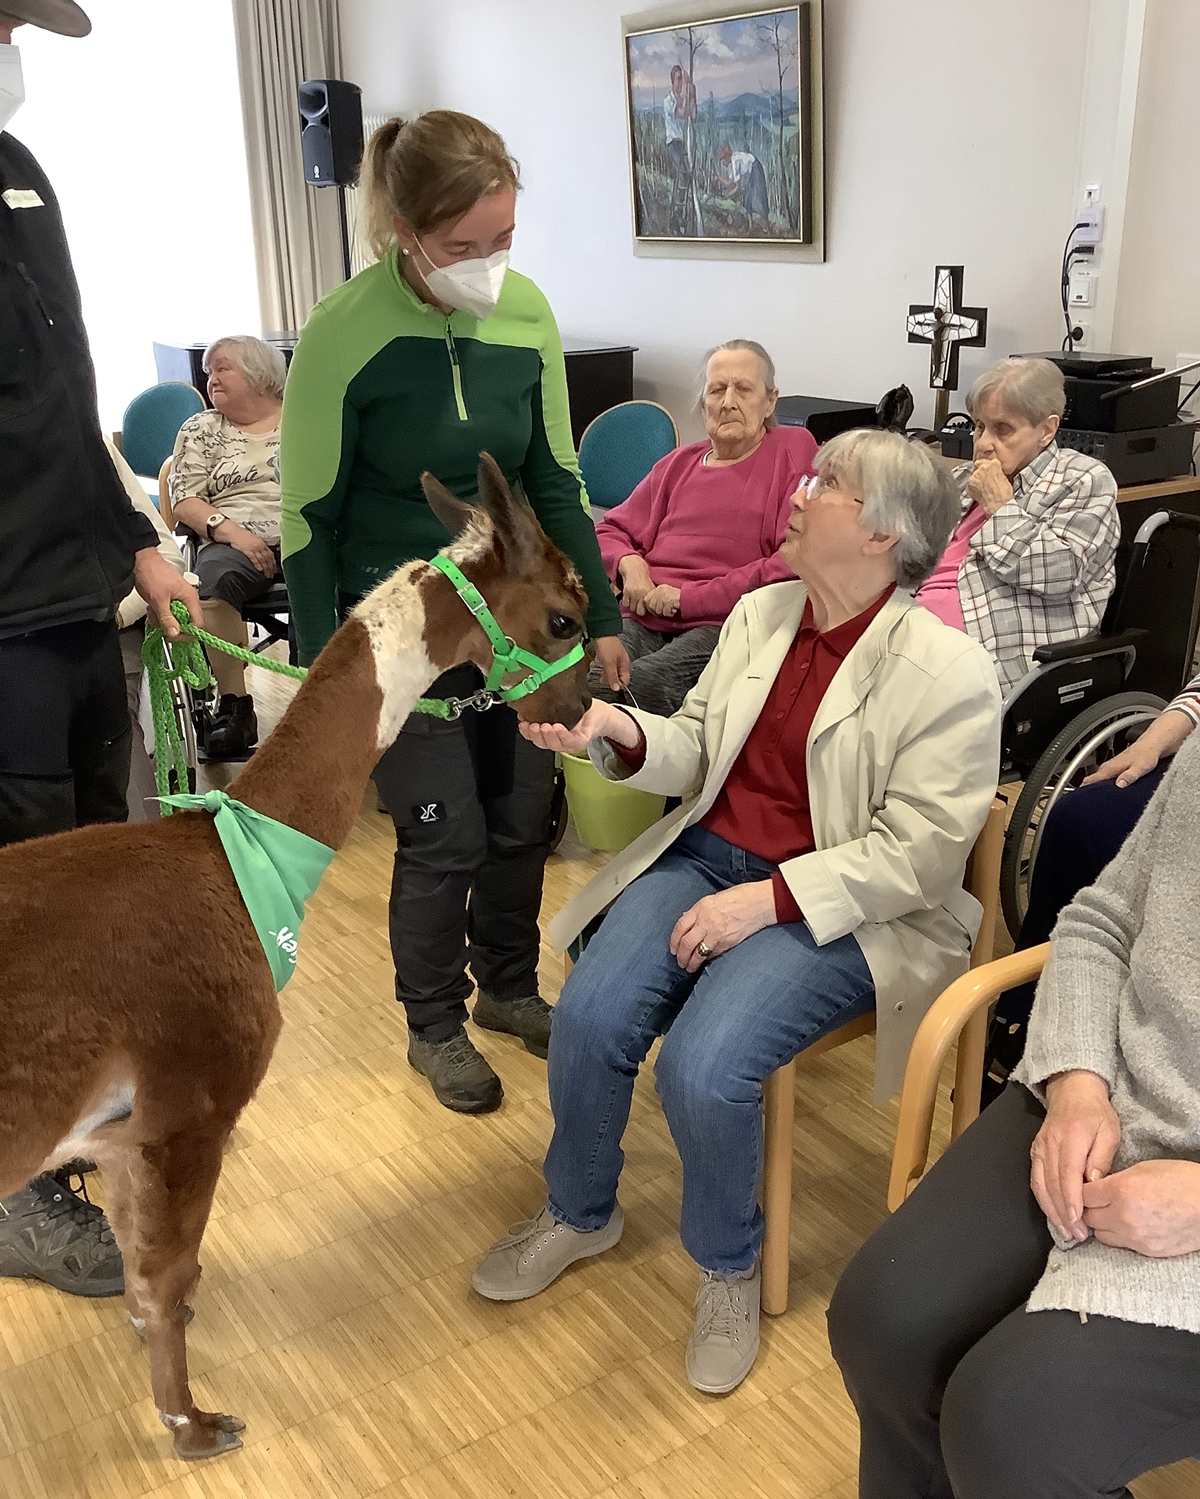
22,197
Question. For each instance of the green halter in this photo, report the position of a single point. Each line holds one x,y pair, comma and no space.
507,657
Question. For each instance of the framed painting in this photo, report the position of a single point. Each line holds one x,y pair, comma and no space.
721,129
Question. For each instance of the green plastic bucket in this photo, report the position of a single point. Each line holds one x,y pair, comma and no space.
608,816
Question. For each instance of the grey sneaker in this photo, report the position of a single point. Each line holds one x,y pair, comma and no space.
461,1078
528,1018
534,1253
48,1232
724,1341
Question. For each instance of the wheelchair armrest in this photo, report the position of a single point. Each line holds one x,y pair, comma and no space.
1090,645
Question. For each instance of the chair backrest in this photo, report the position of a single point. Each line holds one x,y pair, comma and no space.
620,447
152,421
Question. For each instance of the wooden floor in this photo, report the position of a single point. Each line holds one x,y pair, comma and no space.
336,1315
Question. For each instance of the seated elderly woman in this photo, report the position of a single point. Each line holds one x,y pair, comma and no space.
1032,561
225,487
837,760
1036,1331
703,528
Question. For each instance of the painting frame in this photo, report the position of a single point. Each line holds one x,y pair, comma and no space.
778,215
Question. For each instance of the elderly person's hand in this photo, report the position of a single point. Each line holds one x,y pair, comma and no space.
248,543
663,601
718,922
1152,1208
158,583
1164,737
601,721
988,486
636,582
1075,1145
614,661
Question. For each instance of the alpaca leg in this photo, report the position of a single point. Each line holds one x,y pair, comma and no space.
116,1169
173,1188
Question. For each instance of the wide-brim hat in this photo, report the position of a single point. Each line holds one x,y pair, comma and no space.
63,16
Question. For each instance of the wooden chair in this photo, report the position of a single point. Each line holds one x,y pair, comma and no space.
164,494
779,1091
964,1003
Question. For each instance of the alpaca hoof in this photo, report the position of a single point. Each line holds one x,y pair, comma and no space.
208,1434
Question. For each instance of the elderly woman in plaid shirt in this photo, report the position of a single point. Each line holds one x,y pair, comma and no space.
1033,559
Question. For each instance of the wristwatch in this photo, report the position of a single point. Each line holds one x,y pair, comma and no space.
214,519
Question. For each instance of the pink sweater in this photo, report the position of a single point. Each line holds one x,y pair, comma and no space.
713,533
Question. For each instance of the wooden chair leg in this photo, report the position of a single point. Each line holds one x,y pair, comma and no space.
779,1116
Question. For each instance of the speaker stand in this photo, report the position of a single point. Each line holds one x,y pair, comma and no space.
344,227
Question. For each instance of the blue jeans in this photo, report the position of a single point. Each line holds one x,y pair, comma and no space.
726,1027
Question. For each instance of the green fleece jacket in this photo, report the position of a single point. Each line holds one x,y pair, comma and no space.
381,388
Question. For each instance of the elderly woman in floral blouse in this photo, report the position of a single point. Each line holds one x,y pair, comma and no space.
225,487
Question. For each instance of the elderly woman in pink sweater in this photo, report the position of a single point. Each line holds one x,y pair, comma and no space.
703,528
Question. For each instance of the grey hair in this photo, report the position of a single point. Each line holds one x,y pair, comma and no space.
750,346
905,493
264,367
1032,388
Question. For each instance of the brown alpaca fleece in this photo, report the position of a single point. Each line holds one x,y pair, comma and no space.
135,1036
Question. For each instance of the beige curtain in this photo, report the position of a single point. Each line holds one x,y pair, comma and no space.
280,43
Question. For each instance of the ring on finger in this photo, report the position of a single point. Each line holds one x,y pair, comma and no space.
704,950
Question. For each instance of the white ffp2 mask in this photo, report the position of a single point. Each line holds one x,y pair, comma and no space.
470,285
12,84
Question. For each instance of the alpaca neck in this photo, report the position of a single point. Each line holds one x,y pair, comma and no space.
313,768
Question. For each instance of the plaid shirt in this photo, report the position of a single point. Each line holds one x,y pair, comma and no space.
1042,568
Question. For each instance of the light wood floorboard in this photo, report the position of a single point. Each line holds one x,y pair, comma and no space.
336,1315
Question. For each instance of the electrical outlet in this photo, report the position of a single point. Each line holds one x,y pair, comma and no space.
1089,226
1083,287
1091,194
1084,341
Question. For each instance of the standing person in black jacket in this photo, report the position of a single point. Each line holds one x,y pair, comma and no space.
70,544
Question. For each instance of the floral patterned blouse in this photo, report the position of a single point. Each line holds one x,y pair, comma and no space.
235,472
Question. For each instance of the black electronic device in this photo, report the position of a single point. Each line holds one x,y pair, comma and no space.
1096,366
1141,457
823,418
1111,405
331,131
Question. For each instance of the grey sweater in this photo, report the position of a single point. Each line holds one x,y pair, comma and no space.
1120,997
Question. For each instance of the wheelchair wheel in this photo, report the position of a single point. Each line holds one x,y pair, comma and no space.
1096,735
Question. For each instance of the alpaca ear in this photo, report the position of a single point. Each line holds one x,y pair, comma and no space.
514,520
455,514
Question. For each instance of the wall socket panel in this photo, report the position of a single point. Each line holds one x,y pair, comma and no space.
1089,225
1082,288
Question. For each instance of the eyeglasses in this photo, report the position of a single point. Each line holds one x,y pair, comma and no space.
817,486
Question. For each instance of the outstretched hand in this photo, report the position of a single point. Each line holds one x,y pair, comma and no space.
601,721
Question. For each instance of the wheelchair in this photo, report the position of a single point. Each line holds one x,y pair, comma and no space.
1085,701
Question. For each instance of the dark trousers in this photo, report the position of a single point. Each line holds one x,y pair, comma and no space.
64,730
1082,835
961,1393
471,804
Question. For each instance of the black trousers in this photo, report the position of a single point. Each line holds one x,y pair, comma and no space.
1082,836
961,1393
64,730
471,804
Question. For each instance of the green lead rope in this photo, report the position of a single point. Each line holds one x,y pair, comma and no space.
184,660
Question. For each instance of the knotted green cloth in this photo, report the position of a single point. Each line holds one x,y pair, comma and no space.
276,869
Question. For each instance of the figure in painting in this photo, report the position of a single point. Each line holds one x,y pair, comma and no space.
740,176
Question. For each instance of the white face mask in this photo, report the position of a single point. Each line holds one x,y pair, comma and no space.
12,84
471,285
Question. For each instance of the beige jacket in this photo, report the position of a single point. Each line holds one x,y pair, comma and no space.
903,758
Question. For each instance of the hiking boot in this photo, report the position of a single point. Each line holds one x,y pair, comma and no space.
534,1253
460,1077
234,728
724,1341
527,1018
48,1232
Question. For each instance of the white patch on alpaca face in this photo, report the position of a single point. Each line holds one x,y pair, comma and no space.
395,623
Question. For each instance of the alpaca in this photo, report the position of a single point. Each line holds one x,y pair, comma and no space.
128,1039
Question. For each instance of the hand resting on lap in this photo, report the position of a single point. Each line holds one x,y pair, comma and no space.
1152,1208
1076,1144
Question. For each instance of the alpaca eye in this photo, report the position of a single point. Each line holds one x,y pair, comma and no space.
562,626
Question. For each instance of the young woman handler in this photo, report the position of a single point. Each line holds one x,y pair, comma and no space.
437,353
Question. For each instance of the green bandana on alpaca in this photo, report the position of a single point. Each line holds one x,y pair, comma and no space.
276,869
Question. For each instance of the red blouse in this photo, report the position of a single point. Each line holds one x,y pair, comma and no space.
763,806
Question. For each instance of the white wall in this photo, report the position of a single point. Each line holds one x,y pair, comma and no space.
139,128
1159,292
952,134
